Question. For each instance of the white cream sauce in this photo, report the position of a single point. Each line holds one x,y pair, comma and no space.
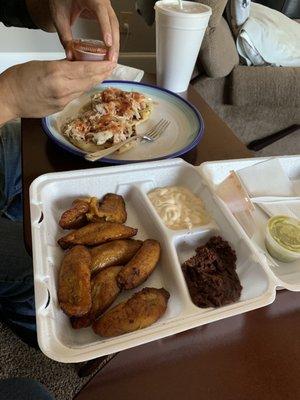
178,207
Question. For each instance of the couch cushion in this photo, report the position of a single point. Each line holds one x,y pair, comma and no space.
272,35
266,86
218,54
237,12
291,8
218,7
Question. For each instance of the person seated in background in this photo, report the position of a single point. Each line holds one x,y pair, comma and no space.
36,89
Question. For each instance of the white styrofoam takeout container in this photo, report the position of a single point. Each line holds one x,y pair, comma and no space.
286,275
53,193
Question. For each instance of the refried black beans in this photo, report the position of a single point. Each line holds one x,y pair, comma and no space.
211,274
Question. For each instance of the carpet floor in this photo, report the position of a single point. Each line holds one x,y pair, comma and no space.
248,123
19,360
253,122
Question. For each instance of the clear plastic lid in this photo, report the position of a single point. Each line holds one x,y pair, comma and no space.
89,50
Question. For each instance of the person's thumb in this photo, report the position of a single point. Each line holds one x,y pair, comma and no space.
62,22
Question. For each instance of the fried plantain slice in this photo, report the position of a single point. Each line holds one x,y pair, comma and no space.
74,286
96,233
75,217
111,209
117,252
104,292
81,322
141,310
140,267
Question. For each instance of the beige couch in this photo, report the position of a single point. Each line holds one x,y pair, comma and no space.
245,85
226,81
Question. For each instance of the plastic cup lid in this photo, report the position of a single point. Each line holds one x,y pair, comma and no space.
163,8
90,46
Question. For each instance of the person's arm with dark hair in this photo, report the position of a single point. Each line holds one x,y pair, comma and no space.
37,89
61,15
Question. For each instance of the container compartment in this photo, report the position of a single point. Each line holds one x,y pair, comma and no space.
185,176
256,283
254,280
53,202
286,275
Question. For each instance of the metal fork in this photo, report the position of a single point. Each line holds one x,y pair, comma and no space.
156,131
150,135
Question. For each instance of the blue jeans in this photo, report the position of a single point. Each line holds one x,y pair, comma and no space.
16,280
10,172
22,389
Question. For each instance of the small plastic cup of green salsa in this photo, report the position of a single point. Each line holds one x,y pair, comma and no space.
283,238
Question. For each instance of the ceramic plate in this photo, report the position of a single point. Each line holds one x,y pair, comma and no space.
182,135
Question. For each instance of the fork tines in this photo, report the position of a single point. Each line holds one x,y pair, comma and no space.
159,128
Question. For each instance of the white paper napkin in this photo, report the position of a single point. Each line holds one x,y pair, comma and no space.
124,73
273,209
268,179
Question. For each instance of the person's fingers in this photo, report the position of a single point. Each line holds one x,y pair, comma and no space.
84,85
68,45
76,89
76,12
78,76
87,14
85,69
104,21
114,50
62,21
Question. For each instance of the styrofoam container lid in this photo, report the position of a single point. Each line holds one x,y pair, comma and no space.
286,275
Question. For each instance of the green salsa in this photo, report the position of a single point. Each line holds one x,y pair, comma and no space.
286,232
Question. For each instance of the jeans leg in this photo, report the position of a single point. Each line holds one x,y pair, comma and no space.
17,307
23,389
10,172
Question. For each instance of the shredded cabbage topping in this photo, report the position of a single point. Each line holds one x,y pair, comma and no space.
111,118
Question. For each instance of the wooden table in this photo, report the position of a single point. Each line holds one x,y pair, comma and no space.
40,155
251,356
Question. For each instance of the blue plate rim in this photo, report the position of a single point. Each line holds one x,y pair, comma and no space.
178,153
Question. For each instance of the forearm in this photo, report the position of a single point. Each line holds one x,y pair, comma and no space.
40,14
6,104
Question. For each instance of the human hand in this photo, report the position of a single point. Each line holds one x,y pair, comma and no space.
65,12
39,88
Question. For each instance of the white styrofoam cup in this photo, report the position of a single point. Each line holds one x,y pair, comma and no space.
179,37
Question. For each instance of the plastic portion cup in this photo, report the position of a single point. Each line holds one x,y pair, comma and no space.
179,35
89,50
232,192
282,238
